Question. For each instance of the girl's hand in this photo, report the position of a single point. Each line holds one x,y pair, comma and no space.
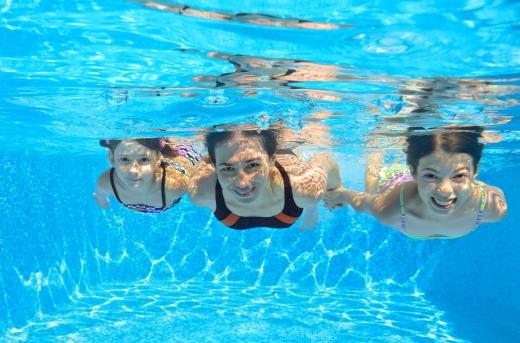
102,201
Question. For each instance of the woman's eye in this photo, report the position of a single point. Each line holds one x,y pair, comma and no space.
430,176
226,169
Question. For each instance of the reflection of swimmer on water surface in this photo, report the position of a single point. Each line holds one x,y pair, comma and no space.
249,18
437,194
248,182
148,175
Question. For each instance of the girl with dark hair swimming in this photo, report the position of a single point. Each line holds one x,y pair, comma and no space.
437,194
247,181
148,175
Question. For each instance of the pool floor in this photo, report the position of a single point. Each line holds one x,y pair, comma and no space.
234,312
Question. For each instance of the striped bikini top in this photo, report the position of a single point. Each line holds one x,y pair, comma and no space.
289,215
478,219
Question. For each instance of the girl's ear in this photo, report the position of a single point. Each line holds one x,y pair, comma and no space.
111,157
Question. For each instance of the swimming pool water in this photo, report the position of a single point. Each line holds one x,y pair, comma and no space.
75,72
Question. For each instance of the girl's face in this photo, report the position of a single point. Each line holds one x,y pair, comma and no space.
242,167
444,181
134,163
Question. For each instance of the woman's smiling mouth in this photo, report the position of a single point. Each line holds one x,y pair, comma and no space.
244,192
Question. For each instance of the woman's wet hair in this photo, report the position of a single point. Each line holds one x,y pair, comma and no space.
155,144
422,142
268,138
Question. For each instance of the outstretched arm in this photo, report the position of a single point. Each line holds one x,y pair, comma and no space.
360,201
324,161
384,207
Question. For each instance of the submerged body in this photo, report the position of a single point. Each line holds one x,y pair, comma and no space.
246,183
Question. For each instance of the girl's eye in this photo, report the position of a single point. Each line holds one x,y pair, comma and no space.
430,176
124,160
253,165
145,160
460,176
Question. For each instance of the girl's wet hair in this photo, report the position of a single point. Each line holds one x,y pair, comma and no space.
422,142
268,138
155,144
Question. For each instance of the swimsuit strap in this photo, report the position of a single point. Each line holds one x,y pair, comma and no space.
401,208
114,185
289,206
163,184
221,210
482,207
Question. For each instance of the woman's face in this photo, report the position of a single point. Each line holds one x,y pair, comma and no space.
243,167
444,181
134,163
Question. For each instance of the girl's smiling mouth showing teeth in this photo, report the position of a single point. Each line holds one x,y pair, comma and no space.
444,204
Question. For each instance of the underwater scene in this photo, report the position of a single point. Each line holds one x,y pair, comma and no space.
274,171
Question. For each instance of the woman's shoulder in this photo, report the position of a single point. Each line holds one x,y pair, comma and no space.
307,181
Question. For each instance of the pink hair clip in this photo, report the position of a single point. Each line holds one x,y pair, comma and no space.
162,143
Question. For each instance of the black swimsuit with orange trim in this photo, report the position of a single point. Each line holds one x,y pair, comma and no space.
289,215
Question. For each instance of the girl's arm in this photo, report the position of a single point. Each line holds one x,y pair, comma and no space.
103,190
360,201
384,207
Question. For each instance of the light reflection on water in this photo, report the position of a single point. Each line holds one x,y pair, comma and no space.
216,312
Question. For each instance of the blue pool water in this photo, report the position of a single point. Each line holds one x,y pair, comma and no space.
72,73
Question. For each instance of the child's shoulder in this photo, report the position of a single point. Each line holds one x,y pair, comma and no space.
389,204
495,203
103,180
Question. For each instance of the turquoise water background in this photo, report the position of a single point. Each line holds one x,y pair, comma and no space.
72,73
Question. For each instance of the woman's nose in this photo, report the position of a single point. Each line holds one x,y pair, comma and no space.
243,178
